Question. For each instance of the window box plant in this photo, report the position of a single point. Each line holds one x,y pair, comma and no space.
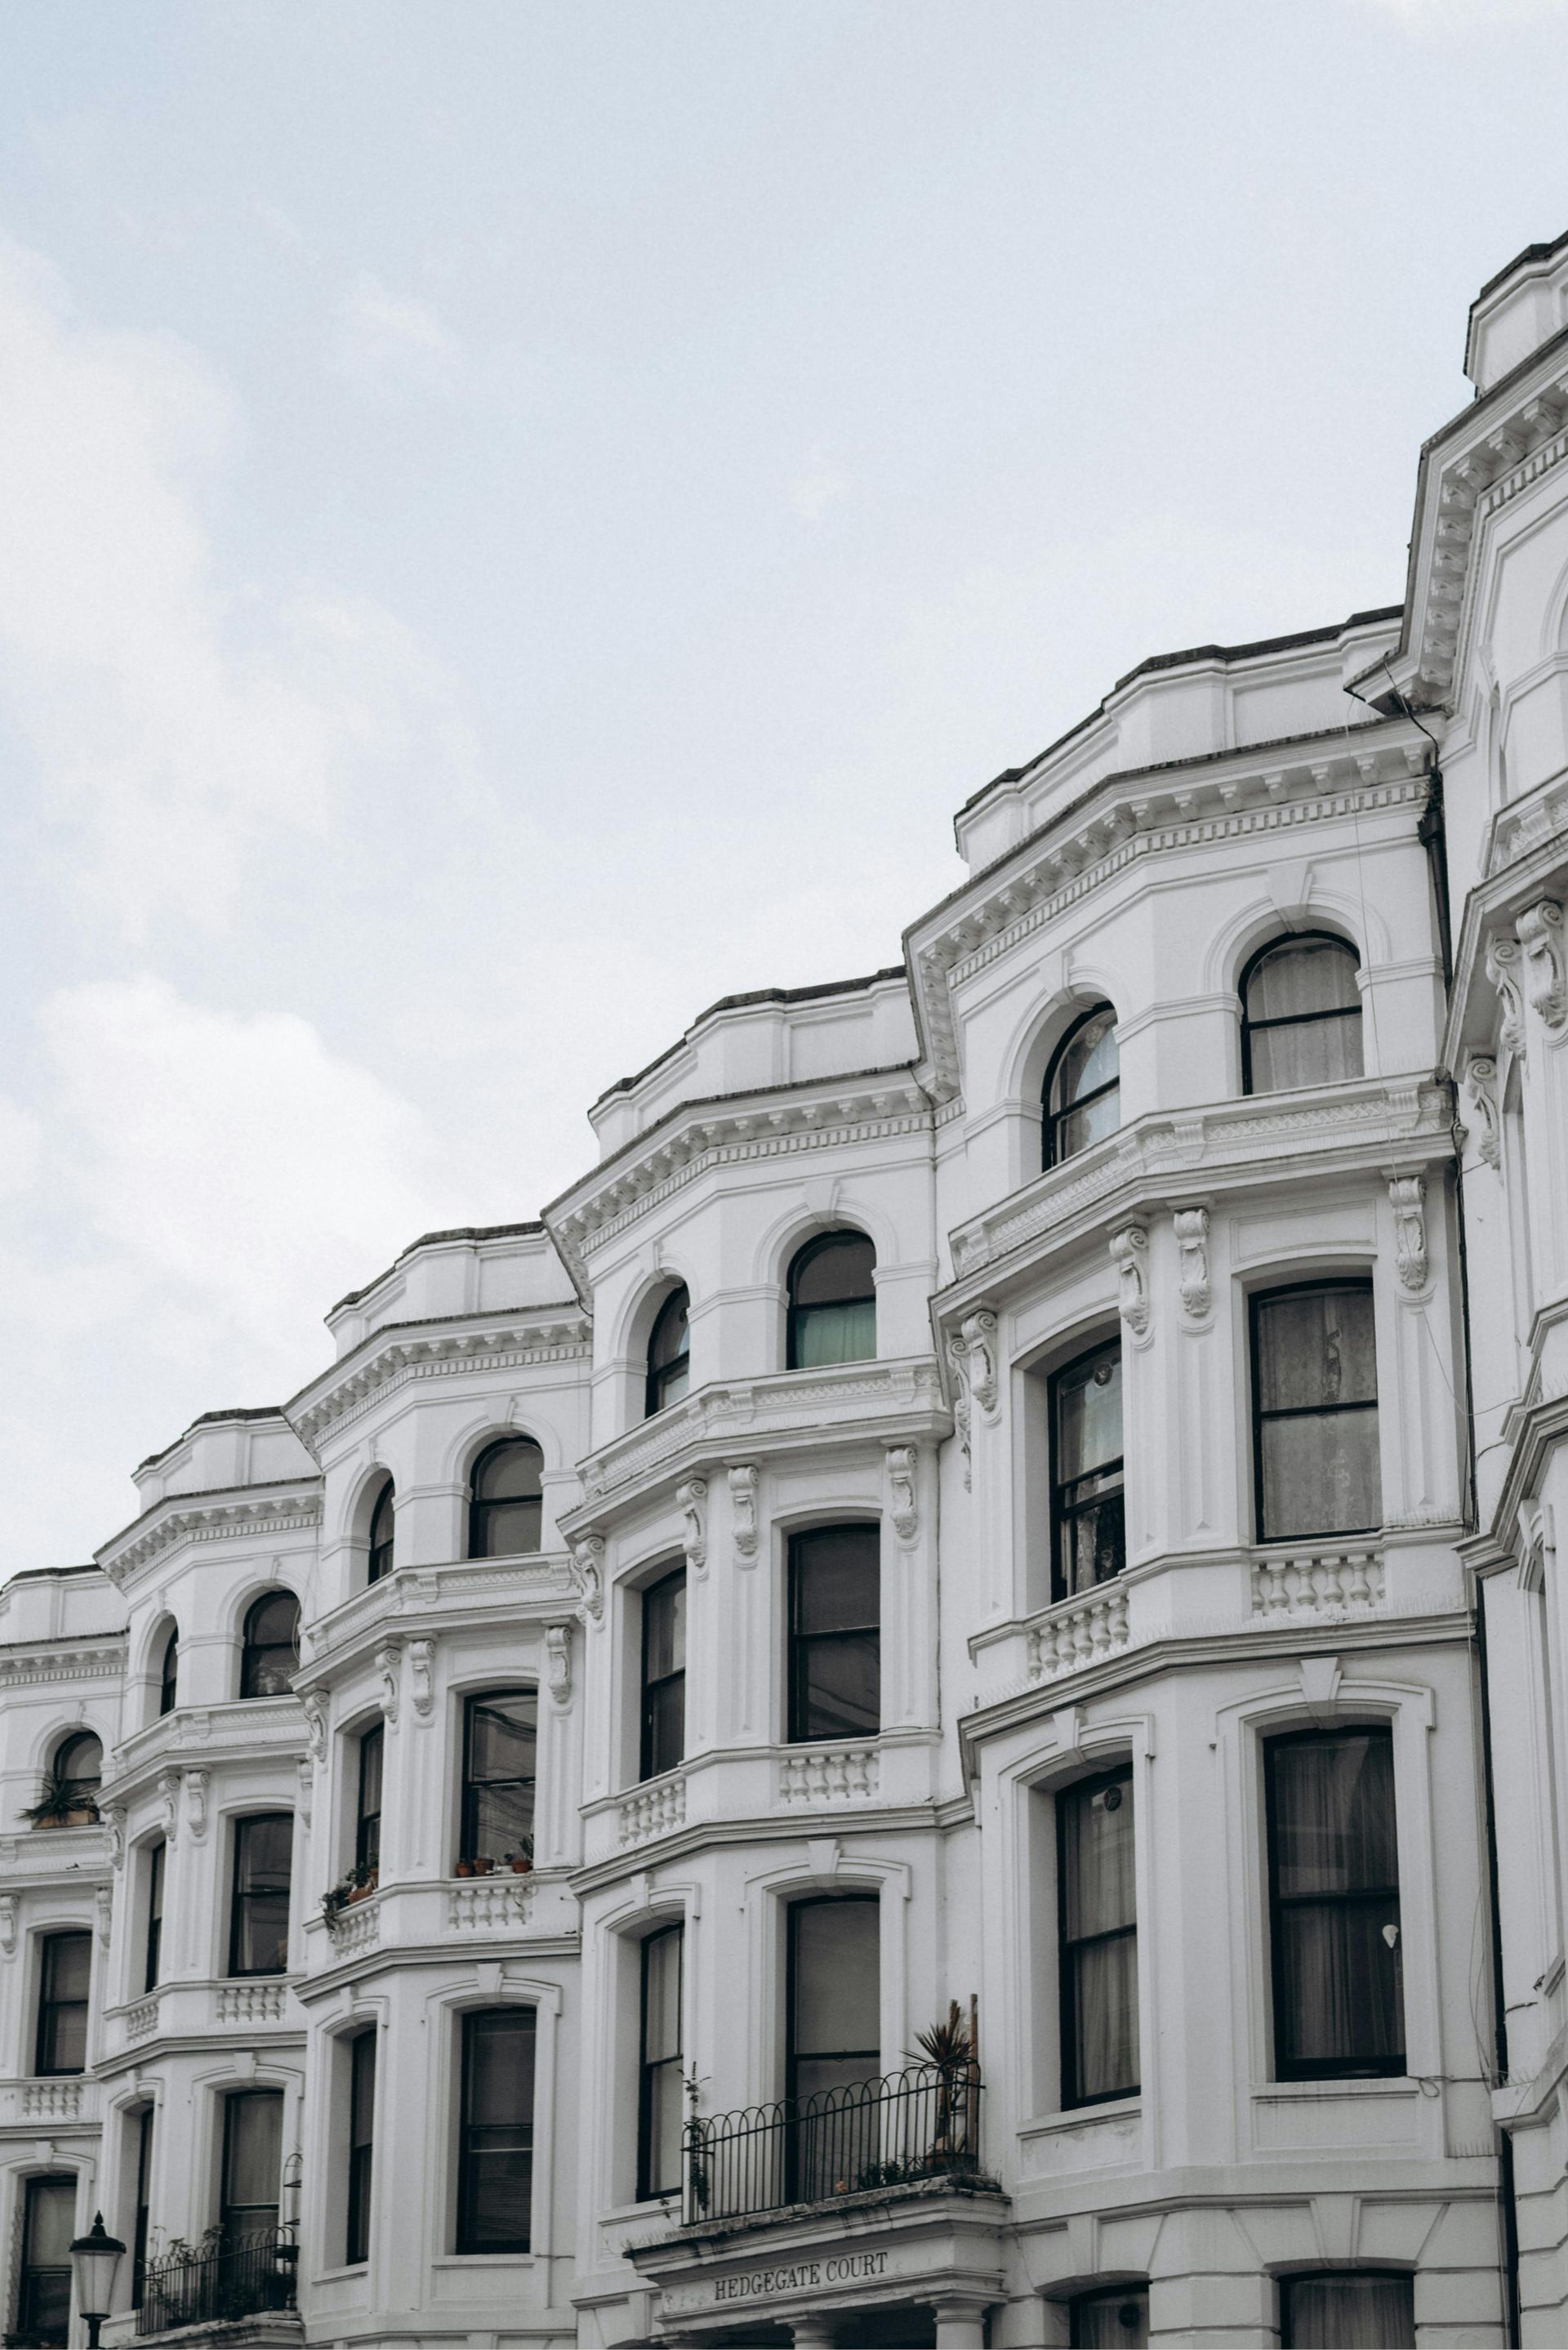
64,1803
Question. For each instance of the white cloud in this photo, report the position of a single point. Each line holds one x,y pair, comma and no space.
177,725
393,338
818,485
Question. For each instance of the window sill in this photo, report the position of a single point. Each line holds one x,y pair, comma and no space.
1078,2118
1403,2084
486,2261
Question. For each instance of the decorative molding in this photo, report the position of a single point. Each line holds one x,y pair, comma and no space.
1130,1255
8,1923
169,1796
1192,1281
141,2020
903,1504
250,2003
34,1667
1501,966
497,1904
742,1484
654,1810
1480,1084
1407,1194
1318,1582
307,1776
979,1332
829,1774
422,1673
389,1666
692,1500
292,1510
588,1573
1539,930
196,1803
1078,1631
315,1704
396,1356
113,1818
958,1357
51,2101
558,1661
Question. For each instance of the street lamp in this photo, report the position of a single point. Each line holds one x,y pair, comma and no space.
94,2260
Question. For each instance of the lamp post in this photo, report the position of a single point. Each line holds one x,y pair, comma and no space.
94,2260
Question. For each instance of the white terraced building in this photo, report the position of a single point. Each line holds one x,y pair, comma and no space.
933,1713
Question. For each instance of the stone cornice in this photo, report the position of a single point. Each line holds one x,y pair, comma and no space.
403,1351
1147,812
851,1403
291,1505
242,1730
34,1664
729,1130
1493,452
424,1602
1224,1146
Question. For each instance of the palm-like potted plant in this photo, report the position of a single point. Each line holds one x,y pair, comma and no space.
949,2048
64,1803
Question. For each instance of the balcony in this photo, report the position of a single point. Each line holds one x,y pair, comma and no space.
218,2281
907,2130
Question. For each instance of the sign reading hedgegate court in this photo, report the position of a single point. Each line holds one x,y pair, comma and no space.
848,2271
800,2276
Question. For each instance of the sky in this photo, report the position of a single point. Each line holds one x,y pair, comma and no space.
517,520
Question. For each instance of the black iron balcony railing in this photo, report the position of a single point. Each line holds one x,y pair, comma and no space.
912,2126
230,2276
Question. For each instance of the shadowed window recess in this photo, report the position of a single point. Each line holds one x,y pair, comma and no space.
832,1302
1097,1903
1314,1411
500,1764
834,2008
361,2143
379,1561
1333,1899
1087,1481
269,1657
495,2157
506,1508
1357,2310
1114,2319
169,1673
258,1923
1083,1087
663,1739
253,2163
368,1819
1301,1014
835,1632
668,1354
660,2113
65,1992
44,2284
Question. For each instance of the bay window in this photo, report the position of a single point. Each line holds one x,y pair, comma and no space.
1314,1411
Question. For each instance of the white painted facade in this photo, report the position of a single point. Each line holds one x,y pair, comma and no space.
1216,801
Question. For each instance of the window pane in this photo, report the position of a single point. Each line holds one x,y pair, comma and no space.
1303,975
1334,1859
1334,1823
672,1334
1309,1052
1089,1062
511,1472
370,1752
665,2128
1104,1993
275,1620
665,1728
362,2118
80,1760
51,2206
262,1861
661,1997
1094,1542
1316,1348
664,1623
834,1333
1089,1412
1117,2320
839,1574
1078,1129
1340,1990
70,1965
833,1270
253,2163
1348,2313
1320,1475
1098,1850
504,1529
498,2131
839,1686
836,2004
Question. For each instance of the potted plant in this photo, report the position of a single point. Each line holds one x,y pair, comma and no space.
521,1860
482,1864
463,1868
65,1804
365,1880
948,2048
353,1885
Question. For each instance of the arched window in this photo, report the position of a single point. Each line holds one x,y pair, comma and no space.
381,1534
831,1301
270,1657
1301,1014
505,1505
670,1353
1083,1086
79,1760
168,1672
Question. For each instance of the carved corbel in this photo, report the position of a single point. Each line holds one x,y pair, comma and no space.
692,1498
588,1572
104,1901
8,1923
422,1672
1539,932
558,1661
315,1704
1129,1253
978,1330
169,1796
306,1787
958,1359
196,1803
903,1508
743,1479
1480,1085
113,1817
1192,1261
1503,962
1408,1193
389,1664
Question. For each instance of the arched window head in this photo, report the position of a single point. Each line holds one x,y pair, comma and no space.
270,1657
78,1763
1083,1089
831,1301
168,1672
1301,1014
670,1353
381,1534
505,1504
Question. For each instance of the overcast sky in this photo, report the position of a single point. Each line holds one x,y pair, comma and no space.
517,520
